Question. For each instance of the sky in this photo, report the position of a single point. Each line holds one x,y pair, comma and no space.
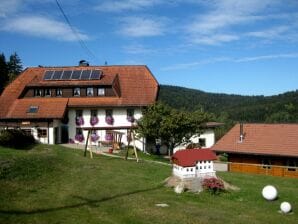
247,47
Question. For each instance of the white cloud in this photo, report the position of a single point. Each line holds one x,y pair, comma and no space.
138,49
267,57
8,7
214,27
124,5
194,64
42,27
142,27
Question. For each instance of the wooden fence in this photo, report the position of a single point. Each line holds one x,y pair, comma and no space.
273,170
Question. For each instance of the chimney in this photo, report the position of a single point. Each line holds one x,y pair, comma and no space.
241,137
83,63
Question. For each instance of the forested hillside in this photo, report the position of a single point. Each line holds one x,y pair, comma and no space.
282,108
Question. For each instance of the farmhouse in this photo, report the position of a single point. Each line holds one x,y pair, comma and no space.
205,139
55,104
193,163
261,148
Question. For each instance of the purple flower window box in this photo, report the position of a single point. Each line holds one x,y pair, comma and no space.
109,137
93,120
94,137
79,137
71,141
109,120
130,119
79,121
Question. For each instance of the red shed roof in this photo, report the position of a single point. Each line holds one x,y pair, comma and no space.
261,139
189,157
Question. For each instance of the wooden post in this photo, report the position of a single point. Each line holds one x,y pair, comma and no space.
85,152
134,146
90,147
128,143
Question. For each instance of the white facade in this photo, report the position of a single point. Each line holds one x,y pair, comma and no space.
200,170
207,137
120,120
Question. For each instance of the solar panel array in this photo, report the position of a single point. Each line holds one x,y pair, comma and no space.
83,74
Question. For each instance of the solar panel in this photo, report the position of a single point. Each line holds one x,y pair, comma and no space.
48,75
66,74
57,74
85,74
76,74
95,74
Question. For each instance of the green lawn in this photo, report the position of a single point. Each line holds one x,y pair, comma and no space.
51,184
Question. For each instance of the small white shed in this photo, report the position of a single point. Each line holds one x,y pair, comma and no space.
192,163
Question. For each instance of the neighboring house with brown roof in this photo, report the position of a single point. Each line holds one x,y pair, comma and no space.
261,148
193,163
56,103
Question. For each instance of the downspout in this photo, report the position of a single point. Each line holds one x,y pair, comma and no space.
48,132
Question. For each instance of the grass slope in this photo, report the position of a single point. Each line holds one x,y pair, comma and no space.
51,184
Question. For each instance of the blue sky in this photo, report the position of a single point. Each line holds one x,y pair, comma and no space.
247,47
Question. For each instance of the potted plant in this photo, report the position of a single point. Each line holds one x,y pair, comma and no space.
130,119
94,120
94,137
79,137
109,120
79,121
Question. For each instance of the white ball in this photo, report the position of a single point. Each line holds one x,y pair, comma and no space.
269,192
285,207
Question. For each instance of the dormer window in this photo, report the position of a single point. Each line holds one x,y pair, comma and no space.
58,92
37,92
47,92
100,91
76,92
32,109
90,91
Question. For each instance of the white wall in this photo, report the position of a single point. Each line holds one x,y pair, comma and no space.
208,135
202,169
120,119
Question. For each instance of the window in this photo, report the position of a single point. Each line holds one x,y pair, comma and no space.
79,131
79,113
202,142
47,92
32,109
292,164
109,112
266,163
93,113
42,133
89,91
37,92
100,91
27,131
58,92
77,92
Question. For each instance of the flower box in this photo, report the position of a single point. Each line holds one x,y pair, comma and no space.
130,119
93,120
109,120
79,137
79,121
109,137
94,137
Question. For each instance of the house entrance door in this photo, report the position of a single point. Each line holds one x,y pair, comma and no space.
64,134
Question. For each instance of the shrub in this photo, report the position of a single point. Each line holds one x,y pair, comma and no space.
16,138
213,185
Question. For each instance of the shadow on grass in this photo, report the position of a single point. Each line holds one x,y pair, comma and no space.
87,202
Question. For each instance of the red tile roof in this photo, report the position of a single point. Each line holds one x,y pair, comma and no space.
262,139
138,87
189,157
